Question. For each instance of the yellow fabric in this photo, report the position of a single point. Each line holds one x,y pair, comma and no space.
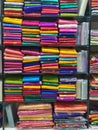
94,119
67,62
39,118
49,87
68,15
31,57
50,50
34,106
14,0
36,116
68,51
37,31
67,86
48,32
69,95
12,90
31,87
12,20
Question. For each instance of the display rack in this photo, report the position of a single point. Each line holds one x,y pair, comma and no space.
84,75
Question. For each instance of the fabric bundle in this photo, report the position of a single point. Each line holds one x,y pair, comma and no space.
68,61
94,63
68,8
30,32
49,60
49,87
12,31
70,115
49,33
31,60
31,88
93,118
93,114
50,8
67,88
12,60
93,92
94,37
32,8
94,9
36,115
13,88
13,8
67,32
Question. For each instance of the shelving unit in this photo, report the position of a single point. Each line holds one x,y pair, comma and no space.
78,48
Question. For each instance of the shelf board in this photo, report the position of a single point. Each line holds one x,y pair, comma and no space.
86,17
76,100
77,74
78,47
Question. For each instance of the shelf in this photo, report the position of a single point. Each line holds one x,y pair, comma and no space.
77,74
79,18
29,45
94,18
77,100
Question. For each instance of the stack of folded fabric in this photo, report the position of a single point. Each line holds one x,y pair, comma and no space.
12,60
30,32
36,115
94,63
68,8
67,88
68,61
50,8
31,88
49,87
94,37
67,32
93,115
94,9
32,8
13,88
13,8
12,31
70,115
49,60
93,92
49,33
1,115
31,60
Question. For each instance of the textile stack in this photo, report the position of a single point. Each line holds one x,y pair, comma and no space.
31,60
94,62
94,37
67,88
13,60
31,88
68,61
12,31
93,93
30,32
49,60
69,115
67,32
13,8
50,8
68,8
13,88
49,88
32,8
49,33
94,9
35,116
